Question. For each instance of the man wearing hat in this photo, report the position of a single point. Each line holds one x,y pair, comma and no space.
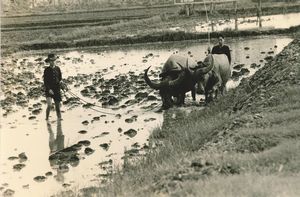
52,81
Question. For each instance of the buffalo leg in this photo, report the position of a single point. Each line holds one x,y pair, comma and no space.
182,98
167,101
223,89
216,92
209,96
179,99
194,93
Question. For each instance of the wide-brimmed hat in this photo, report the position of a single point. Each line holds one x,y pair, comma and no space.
51,57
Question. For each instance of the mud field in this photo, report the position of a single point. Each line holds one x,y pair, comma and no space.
108,113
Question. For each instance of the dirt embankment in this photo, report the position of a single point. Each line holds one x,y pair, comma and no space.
243,144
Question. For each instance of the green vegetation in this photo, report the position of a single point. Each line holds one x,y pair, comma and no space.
245,144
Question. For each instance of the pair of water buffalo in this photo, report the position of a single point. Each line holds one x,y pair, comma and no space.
181,74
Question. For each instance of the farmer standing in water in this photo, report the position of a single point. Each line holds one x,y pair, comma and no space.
52,81
221,48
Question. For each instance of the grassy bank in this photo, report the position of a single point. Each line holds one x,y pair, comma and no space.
245,144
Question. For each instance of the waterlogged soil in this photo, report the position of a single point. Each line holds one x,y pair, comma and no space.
108,112
278,21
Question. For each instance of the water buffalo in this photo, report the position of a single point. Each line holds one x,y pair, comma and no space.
215,80
179,75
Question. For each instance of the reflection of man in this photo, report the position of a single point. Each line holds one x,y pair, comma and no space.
221,48
56,144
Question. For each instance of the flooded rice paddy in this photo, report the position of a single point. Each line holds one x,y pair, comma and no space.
279,21
108,113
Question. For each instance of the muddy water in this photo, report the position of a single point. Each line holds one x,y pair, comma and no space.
245,23
24,129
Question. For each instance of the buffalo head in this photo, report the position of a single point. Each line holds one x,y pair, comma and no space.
176,84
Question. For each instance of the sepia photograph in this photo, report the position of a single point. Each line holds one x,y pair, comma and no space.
138,98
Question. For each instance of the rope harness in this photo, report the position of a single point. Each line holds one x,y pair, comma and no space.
92,106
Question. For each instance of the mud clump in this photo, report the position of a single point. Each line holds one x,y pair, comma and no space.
36,111
131,120
22,157
118,116
131,133
8,192
152,98
254,65
88,151
109,162
104,133
18,167
49,173
238,67
131,152
135,145
84,142
149,119
39,178
268,58
13,158
96,118
68,155
141,95
85,122
82,131
65,185
63,168
245,71
105,146
32,117
237,74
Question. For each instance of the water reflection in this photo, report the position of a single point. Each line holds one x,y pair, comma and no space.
55,143
246,23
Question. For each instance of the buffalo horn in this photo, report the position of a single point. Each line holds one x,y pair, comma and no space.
163,84
153,85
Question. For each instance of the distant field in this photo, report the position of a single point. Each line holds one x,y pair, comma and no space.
110,16
94,27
